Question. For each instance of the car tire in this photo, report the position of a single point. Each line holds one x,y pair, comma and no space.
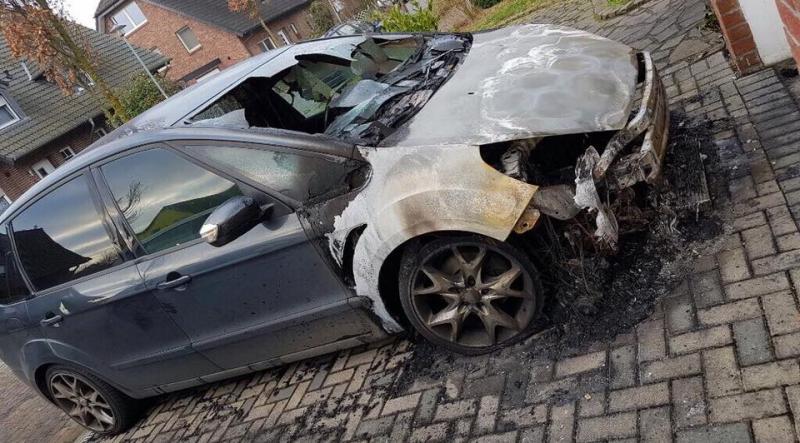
90,402
470,294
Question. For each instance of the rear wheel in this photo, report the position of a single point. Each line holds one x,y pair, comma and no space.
91,402
470,294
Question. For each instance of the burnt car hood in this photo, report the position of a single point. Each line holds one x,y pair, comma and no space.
528,81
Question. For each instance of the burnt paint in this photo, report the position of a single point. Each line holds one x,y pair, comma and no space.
528,81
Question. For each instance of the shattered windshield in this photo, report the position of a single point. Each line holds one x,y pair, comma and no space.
361,98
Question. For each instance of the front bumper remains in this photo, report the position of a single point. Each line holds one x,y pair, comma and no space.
642,162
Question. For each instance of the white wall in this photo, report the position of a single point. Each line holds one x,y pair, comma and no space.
767,28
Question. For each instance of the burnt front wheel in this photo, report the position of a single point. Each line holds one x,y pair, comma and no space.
470,294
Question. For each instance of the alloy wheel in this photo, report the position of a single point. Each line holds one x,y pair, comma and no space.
473,294
81,401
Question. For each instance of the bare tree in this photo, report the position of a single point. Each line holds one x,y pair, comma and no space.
40,31
253,10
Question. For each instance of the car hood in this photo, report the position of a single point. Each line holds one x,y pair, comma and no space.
528,81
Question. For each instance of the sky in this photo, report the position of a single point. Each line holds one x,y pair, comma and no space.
82,11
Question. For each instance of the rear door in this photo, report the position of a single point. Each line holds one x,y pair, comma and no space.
263,296
88,295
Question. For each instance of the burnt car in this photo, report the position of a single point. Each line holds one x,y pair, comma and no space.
318,197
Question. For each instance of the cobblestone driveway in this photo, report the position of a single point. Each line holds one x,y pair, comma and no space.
716,362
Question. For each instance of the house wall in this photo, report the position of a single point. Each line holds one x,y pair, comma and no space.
762,15
790,14
160,32
300,20
738,36
16,179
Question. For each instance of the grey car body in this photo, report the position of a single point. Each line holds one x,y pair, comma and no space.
310,280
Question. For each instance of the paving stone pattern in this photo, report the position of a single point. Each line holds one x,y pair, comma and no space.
717,362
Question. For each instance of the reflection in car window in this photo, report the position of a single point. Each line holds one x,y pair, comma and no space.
62,237
301,177
164,197
12,288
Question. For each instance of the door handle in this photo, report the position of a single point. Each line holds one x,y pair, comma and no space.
52,320
174,283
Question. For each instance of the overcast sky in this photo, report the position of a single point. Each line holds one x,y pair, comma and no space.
82,11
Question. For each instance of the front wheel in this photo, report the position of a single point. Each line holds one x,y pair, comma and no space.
470,294
91,402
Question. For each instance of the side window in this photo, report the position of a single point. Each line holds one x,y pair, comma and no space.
12,288
62,237
164,197
301,177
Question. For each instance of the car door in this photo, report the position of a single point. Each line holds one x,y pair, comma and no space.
88,295
263,296
16,328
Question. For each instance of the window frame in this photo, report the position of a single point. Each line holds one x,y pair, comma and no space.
185,146
282,34
188,49
110,228
265,47
4,103
35,167
124,11
127,232
69,150
18,267
294,30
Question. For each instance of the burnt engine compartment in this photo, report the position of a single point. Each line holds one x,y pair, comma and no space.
554,163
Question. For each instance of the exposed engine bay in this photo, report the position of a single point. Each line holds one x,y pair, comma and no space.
592,174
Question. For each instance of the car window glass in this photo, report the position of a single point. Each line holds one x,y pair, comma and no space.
62,237
164,197
301,177
12,288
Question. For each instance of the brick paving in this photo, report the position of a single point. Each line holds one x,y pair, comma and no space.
26,417
716,362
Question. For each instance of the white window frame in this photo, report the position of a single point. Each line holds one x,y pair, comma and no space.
293,28
284,37
130,19
190,50
66,153
266,48
43,164
15,117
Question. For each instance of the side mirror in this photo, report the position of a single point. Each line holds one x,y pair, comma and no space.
233,219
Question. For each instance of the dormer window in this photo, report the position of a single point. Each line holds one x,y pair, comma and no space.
131,16
7,114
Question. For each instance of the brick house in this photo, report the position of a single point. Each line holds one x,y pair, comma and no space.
202,37
40,127
752,31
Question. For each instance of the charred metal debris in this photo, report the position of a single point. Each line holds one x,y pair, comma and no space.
389,93
590,180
